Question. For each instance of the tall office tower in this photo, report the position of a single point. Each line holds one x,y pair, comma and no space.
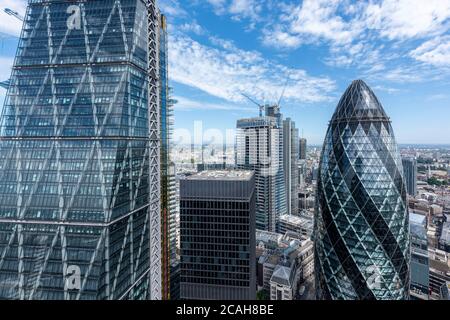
290,165
410,173
274,111
170,262
420,265
259,147
79,154
218,236
303,144
361,226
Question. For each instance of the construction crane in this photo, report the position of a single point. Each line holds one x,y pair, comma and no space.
260,106
14,14
5,84
283,92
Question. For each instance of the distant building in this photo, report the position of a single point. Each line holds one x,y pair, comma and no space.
283,284
283,262
302,173
410,173
420,280
306,200
445,291
303,144
444,239
290,165
259,147
217,212
439,271
211,166
299,224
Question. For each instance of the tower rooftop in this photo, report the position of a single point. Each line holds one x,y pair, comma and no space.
359,103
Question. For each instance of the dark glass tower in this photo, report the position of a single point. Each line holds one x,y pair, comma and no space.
361,227
218,236
79,154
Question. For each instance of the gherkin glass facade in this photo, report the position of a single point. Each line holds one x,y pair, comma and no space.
361,231
75,155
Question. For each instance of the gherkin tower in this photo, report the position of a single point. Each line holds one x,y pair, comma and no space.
361,228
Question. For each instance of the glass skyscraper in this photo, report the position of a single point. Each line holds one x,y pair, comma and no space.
362,246
79,154
259,147
218,236
290,165
410,172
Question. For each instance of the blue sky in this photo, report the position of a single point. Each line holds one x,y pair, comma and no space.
222,48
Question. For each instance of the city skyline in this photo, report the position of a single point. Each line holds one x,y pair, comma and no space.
219,49
224,150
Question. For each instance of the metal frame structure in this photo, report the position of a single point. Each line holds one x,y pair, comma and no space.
155,150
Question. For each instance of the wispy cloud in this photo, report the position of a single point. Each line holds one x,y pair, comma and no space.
187,104
192,27
403,19
385,39
172,8
238,9
435,52
386,89
228,71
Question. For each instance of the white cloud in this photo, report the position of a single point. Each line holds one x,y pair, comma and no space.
279,38
245,8
341,22
309,22
435,52
375,37
318,18
8,24
193,27
386,89
227,72
400,74
237,8
187,104
172,8
406,19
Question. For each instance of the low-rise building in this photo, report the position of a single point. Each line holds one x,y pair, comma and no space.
283,283
302,224
445,291
283,262
439,271
444,239
419,288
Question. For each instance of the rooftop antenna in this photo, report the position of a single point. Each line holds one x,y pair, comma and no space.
261,107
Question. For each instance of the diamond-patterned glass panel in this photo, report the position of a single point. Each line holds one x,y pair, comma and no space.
361,229
75,154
